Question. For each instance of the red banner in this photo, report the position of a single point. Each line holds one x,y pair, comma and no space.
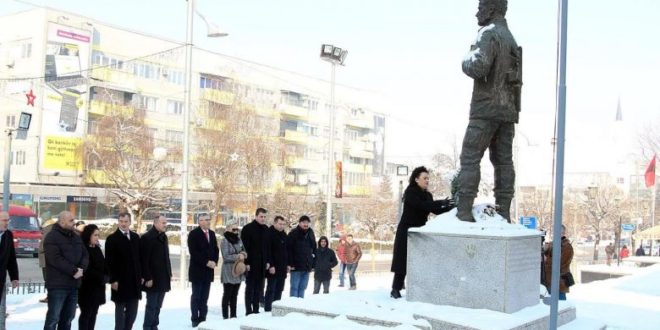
649,175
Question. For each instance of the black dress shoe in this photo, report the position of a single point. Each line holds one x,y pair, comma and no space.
395,294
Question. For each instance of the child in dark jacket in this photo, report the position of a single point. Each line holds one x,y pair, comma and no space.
323,263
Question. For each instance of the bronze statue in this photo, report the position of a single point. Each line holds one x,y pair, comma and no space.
495,64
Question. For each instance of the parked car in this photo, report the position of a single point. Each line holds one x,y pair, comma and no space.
24,223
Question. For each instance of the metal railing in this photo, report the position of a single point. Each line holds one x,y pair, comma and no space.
26,288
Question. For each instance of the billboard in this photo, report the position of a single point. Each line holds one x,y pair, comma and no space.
64,98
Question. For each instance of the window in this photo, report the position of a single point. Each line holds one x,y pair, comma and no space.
174,77
11,121
174,107
92,126
219,83
26,50
17,158
174,136
147,102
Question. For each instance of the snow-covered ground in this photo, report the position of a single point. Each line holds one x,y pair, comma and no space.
631,302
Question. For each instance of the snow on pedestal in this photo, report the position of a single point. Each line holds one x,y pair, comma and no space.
490,264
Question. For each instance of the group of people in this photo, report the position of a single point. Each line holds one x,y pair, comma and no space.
270,255
76,270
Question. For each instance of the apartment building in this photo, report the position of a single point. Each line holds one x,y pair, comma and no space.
81,70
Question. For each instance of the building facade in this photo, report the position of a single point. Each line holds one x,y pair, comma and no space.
81,70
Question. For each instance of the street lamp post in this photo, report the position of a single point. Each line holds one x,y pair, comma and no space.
213,31
334,55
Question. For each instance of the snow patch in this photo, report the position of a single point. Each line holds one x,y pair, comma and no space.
486,225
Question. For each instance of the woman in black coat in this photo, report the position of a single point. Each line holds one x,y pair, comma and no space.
91,294
417,204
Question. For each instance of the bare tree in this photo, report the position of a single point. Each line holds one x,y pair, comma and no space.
602,205
292,207
538,203
375,217
123,157
236,152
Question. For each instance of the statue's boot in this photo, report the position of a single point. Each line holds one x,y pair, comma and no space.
505,177
464,208
504,208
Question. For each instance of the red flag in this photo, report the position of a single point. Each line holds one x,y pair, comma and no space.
649,175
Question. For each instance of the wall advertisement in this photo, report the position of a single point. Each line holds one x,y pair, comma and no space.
65,93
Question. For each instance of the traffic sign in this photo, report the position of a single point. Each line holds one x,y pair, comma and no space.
529,222
627,226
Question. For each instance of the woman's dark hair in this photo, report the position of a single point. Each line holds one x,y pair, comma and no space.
87,233
416,173
323,238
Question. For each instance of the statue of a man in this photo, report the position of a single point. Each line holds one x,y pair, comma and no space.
495,64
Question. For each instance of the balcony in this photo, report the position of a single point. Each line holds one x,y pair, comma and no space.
360,122
360,146
296,189
357,190
217,96
97,177
302,163
107,109
358,168
292,110
295,136
120,78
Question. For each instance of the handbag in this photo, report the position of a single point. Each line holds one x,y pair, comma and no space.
568,279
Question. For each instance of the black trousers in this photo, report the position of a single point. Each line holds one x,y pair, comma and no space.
274,290
399,279
229,299
125,313
152,310
87,318
254,291
199,301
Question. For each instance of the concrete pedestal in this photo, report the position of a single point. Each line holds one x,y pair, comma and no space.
474,265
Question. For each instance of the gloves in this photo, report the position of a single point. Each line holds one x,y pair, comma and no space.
448,203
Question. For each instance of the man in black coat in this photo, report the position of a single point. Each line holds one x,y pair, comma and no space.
204,254
122,255
66,260
301,246
277,260
253,236
156,270
7,255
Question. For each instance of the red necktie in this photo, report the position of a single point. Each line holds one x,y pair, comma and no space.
207,236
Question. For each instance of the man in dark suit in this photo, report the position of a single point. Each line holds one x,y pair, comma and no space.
122,254
204,254
7,255
156,270
277,260
253,236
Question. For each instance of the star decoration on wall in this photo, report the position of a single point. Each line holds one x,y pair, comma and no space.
30,98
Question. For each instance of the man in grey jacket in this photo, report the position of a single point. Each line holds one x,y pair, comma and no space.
495,64
66,260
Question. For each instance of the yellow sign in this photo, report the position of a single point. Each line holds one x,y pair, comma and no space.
62,153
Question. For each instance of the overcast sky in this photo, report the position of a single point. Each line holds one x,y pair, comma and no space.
410,53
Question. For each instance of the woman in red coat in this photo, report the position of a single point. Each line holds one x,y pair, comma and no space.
624,252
